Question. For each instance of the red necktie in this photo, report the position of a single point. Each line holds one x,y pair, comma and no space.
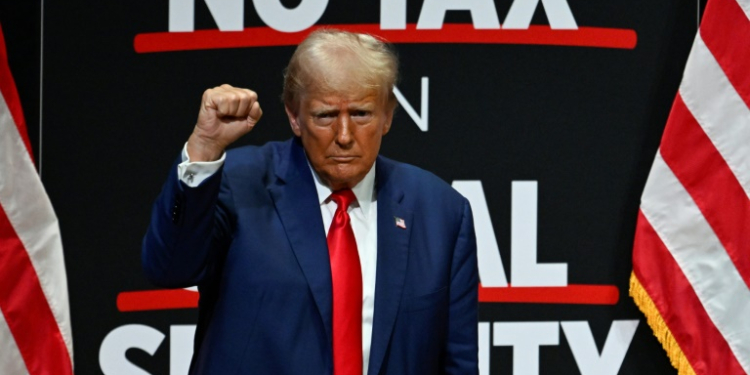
346,275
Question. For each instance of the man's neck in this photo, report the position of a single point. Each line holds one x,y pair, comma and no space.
363,190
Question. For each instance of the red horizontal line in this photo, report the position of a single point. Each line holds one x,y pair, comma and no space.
571,294
164,299
167,299
450,33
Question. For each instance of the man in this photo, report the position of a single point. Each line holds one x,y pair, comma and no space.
316,255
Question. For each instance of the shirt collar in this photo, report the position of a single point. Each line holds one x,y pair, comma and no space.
363,190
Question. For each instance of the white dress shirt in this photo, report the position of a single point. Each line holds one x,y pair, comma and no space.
363,214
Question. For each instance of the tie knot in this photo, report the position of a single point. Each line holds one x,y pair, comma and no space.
343,198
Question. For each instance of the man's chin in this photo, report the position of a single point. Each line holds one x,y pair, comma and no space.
342,179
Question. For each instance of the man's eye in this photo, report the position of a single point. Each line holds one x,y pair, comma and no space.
324,119
360,113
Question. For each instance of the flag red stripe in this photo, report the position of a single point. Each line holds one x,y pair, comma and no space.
705,175
678,304
157,300
26,310
571,294
726,31
8,90
450,33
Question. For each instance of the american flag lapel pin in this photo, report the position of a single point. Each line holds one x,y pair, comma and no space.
400,222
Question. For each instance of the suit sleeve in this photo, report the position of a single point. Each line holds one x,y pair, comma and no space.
187,226
462,345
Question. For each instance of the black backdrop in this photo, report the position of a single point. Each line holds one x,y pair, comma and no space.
583,122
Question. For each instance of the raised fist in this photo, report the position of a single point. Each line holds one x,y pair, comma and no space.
227,113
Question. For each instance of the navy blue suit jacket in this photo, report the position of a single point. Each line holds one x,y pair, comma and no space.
252,238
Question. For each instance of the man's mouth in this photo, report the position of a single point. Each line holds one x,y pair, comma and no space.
343,158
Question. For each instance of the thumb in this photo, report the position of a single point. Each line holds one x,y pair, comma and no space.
208,113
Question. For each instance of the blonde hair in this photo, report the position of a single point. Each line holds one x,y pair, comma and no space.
330,60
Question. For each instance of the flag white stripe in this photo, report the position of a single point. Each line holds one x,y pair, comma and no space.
719,110
29,211
684,231
11,362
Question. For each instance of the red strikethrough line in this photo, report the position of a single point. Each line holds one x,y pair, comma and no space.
162,299
167,299
571,294
450,33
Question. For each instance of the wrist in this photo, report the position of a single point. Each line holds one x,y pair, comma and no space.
201,149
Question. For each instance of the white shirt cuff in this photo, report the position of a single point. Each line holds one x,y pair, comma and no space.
193,173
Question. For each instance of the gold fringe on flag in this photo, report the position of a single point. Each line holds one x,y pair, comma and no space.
659,327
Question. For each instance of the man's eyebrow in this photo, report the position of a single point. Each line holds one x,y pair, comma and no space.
324,111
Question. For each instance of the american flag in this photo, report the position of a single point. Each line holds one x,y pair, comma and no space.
400,222
35,334
691,257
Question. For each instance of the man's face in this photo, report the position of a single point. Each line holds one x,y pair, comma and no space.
341,134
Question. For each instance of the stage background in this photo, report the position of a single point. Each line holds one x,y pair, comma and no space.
106,123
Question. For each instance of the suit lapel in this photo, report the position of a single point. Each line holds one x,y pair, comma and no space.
393,246
297,205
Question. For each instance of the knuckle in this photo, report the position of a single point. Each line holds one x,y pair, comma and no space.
207,94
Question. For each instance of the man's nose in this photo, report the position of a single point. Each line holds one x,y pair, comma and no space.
344,131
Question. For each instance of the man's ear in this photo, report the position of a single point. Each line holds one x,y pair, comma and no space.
388,121
293,121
